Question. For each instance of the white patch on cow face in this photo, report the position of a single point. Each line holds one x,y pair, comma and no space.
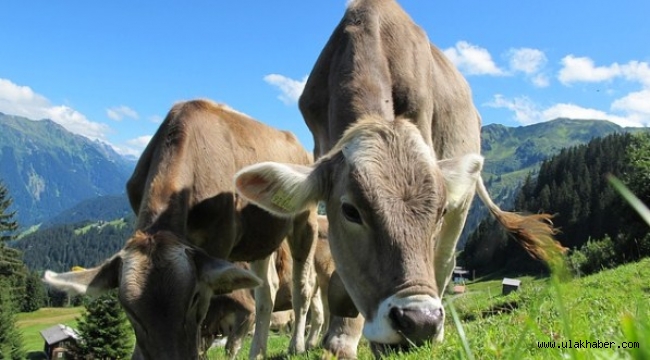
135,267
381,330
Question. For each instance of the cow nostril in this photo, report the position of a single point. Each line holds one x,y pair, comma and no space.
400,320
416,324
438,313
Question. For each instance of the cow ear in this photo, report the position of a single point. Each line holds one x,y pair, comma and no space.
461,175
281,189
92,282
339,300
223,276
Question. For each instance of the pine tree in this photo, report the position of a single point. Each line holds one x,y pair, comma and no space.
8,225
104,330
9,258
35,293
10,337
12,268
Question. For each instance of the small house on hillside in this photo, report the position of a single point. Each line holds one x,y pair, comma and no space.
510,285
460,275
58,339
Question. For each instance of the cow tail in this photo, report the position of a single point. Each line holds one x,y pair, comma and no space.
534,232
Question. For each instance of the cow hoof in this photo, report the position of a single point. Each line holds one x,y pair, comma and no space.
343,354
295,350
378,350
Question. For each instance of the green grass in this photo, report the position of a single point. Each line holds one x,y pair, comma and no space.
31,324
613,305
117,223
32,229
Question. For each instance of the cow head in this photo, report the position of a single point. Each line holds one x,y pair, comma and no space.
165,288
386,195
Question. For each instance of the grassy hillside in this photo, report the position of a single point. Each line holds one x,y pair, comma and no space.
511,152
101,208
612,306
31,325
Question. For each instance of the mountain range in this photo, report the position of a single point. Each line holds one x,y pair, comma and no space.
58,178
48,169
511,153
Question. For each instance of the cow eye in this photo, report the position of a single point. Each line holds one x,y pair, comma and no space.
351,213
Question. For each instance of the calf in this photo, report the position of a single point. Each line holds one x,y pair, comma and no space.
233,315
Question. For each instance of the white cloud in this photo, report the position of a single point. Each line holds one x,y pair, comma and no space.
290,89
530,62
140,141
636,105
472,60
156,119
11,92
582,69
23,101
573,111
637,71
133,147
540,80
527,112
527,60
118,113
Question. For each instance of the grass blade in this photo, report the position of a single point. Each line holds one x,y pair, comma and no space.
630,198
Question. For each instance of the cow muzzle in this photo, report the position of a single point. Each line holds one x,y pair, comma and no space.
408,321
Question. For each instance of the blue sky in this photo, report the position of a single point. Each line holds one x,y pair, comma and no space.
110,70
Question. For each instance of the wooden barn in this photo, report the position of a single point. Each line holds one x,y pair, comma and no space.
58,339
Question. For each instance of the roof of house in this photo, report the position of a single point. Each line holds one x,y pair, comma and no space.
58,333
513,282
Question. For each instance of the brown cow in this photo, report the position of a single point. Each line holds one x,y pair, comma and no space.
183,187
398,141
233,315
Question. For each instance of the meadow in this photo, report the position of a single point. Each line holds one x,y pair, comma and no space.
31,325
610,306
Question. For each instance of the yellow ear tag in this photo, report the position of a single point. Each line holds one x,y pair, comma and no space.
283,200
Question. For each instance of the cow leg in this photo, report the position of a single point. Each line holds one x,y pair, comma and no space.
302,242
264,299
343,335
244,321
204,345
316,321
323,287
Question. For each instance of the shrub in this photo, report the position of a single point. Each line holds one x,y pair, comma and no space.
594,256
